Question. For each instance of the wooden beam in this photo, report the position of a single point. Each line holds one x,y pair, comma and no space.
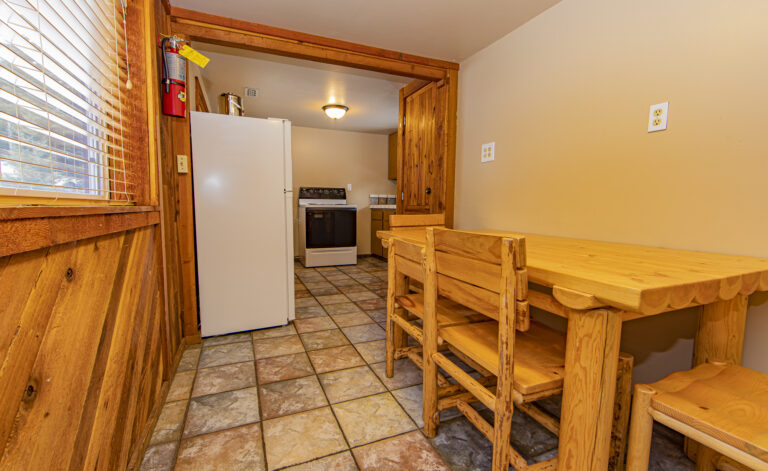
23,235
280,33
232,37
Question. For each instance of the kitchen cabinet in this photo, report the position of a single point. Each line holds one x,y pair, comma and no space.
379,222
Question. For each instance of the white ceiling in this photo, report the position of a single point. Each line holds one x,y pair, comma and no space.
440,29
296,89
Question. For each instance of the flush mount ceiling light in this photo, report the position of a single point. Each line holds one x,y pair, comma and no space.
335,111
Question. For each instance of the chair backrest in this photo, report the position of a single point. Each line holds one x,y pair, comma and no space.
484,272
410,221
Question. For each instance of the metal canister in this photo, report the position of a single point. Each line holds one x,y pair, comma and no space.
232,104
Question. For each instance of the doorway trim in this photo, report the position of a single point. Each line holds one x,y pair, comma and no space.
198,26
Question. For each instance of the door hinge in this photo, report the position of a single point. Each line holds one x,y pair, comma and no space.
402,196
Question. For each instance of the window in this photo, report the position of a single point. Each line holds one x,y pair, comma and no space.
62,100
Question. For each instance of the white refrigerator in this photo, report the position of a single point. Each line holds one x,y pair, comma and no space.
244,222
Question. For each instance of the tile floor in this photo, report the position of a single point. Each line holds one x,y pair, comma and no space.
312,396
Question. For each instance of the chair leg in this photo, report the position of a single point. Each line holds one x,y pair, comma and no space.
621,409
705,459
640,429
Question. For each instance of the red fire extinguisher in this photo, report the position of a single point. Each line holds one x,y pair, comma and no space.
174,81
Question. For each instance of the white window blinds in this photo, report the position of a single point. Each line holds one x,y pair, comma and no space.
61,101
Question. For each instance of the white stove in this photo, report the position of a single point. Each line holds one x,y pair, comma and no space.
327,227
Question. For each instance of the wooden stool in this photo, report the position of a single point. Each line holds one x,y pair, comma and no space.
723,407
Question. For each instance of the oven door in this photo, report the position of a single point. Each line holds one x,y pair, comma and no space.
331,227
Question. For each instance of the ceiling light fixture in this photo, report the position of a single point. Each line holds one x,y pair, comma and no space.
335,111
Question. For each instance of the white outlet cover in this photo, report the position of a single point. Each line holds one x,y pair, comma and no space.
488,153
657,118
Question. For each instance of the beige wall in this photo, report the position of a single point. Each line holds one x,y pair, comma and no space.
323,157
566,96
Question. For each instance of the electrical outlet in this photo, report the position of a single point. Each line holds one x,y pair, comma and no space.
657,121
489,152
182,164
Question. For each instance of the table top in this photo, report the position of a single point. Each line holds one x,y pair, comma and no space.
641,279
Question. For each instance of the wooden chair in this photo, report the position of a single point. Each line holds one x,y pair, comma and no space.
723,407
398,322
488,275
415,221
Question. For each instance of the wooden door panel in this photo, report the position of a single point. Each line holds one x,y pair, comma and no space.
422,182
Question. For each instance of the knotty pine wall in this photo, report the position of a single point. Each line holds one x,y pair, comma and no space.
84,351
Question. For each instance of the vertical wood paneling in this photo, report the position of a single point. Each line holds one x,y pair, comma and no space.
82,336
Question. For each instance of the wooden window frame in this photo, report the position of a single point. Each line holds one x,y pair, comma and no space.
31,222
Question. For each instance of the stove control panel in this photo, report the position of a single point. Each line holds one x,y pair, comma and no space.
314,193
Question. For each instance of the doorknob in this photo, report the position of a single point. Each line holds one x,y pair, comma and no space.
429,190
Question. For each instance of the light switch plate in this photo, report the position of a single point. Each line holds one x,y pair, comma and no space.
657,120
489,152
182,163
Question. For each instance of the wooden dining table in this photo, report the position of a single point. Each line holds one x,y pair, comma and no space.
599,285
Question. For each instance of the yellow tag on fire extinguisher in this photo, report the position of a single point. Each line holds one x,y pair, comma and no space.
194,56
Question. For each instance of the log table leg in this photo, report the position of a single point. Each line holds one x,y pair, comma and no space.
719,338
591,361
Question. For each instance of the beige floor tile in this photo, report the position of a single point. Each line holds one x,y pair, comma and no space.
408,452
339,462
221,411
309,311
410,399
314,324
180,386
326,291
222,339
406,374
373,352
224,354
323,339
273,332
224,378
364,333
278,346
355,318
235,449
302,437
332,299
372,418
292,396
348,384
170,422
371,304
352,288
336,358
378,315
341,308
159,457
270,370
362,295
189,358
306,302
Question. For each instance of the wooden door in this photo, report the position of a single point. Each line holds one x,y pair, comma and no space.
423,148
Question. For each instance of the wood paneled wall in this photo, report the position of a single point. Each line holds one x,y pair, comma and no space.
84,351
91,311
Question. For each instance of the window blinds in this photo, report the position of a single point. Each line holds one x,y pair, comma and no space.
62,130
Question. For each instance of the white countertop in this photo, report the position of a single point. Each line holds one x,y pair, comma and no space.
383,206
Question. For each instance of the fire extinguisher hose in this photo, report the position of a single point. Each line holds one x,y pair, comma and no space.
166,80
